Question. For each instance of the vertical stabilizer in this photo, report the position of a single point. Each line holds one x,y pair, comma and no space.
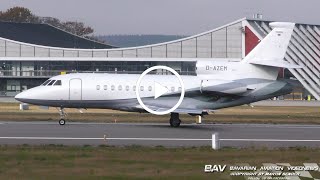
273,47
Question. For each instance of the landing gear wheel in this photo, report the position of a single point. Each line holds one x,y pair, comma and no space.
174,120
63,115
62,122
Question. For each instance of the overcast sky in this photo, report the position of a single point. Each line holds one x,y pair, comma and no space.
176,17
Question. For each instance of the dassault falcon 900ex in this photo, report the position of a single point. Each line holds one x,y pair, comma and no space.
218,84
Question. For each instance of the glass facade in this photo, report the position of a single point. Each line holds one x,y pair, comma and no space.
16,76
17,68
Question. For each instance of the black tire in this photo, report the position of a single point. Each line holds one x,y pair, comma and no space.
62,122
175,122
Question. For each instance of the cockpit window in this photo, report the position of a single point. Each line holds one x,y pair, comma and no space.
50,83
58,83
46,82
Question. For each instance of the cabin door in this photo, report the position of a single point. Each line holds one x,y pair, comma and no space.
75,89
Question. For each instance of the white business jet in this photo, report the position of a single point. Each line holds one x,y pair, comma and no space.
218,84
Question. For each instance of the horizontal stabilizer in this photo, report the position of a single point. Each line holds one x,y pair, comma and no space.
276,63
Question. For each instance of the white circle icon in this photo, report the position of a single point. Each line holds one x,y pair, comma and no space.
160,90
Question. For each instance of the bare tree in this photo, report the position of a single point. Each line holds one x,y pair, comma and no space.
77,28
21,14
18,14
52,21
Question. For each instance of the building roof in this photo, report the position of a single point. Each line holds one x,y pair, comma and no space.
46,35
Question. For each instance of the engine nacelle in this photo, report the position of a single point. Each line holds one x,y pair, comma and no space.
222,86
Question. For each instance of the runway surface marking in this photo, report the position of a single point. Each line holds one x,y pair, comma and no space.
102,138
274,140
159,139
287,126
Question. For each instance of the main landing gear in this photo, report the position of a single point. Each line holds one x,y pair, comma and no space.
174,120
63,115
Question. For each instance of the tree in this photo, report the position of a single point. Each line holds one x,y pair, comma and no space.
77,28
18,14
21,14
52,21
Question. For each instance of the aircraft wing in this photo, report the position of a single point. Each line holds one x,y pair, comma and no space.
178,110
183,111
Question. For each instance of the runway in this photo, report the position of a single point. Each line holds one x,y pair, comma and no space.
159,134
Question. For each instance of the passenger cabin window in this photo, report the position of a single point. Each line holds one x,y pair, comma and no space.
46,82
105,87
127,88
112,88
58,83
150,88
51,82
141,88
119,87
179,88
134,88
98,87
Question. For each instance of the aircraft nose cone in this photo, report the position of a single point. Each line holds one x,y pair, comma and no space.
20,96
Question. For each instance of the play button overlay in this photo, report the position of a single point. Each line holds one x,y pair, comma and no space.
159,90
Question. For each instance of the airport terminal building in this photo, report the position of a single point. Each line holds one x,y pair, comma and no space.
32,53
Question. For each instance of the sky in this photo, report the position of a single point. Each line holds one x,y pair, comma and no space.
170,17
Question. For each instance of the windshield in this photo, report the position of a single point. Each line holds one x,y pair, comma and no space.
46,82
51,82
58,83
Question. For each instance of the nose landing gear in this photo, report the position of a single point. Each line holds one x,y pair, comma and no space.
63,115
62,122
